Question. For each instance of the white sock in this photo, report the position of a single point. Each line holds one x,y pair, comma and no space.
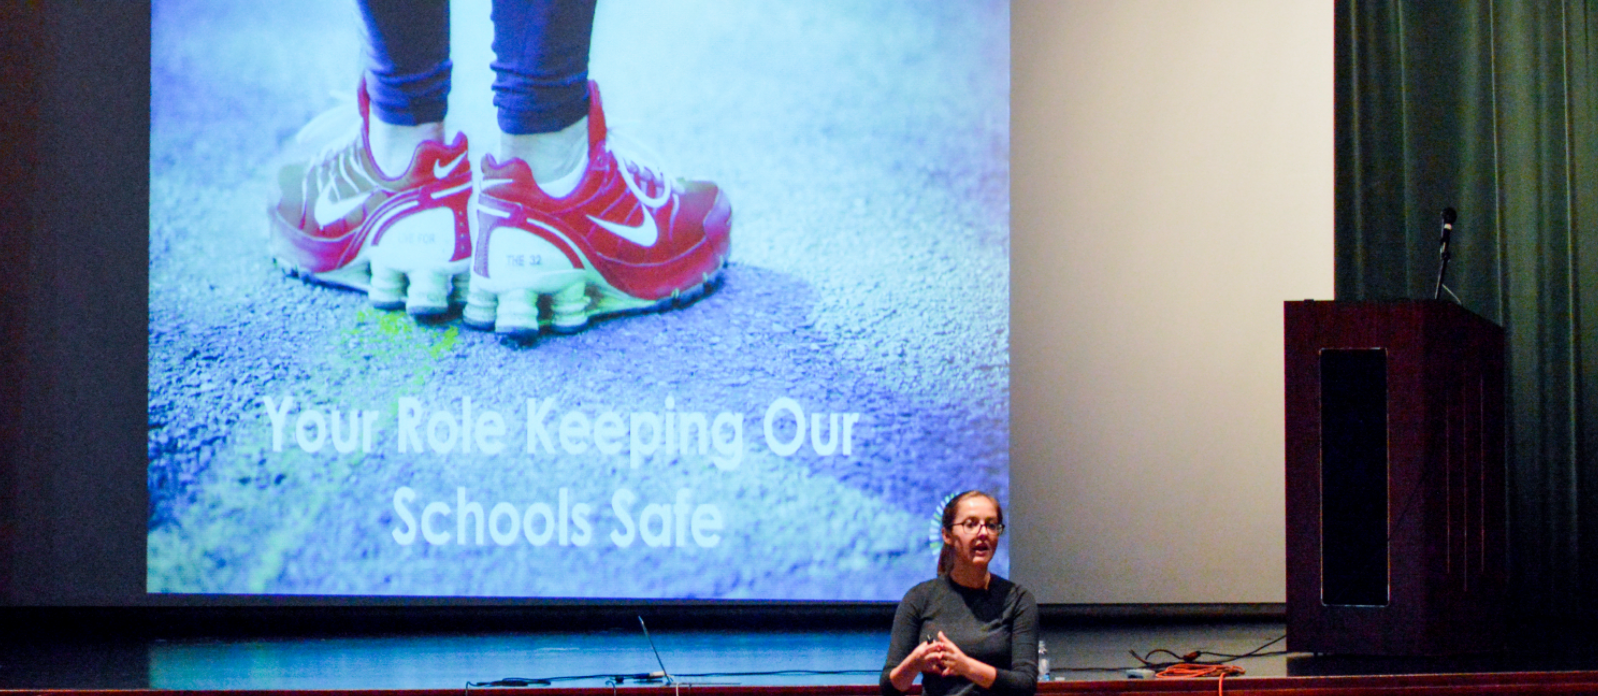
558,159
562,186
394,146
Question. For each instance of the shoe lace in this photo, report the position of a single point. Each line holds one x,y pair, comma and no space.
339,173
332,128
334,139
338,168
640,168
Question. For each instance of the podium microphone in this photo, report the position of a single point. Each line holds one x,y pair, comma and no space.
1449,215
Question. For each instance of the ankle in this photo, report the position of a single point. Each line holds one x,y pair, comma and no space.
393,146
556,159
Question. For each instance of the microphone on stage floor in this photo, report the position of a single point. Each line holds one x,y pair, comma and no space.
663,673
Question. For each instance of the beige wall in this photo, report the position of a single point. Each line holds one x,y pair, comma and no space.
1171,185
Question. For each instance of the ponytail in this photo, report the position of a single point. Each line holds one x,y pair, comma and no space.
945,560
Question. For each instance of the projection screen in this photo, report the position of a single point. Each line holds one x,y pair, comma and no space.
790,435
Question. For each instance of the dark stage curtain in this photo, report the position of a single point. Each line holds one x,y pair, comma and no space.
1491,108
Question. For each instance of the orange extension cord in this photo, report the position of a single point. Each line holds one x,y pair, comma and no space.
1188,670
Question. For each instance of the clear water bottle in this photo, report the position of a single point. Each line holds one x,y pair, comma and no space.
1043,661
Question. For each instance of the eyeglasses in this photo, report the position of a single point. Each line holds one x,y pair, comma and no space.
971,526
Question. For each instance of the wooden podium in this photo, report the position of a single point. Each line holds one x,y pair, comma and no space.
1395,478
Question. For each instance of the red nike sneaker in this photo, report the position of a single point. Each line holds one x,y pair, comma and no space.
405,241
627,239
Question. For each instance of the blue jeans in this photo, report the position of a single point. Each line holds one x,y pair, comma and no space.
540,66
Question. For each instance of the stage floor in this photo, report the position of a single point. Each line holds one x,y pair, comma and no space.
698,657
450,661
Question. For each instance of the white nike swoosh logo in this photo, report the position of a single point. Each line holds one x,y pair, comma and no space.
644,235
329,210
439,172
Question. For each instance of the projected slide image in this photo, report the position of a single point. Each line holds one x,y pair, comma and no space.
779,422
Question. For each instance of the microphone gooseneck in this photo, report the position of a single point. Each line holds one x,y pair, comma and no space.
1449,215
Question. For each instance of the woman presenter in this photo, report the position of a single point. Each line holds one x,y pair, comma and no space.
966,631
